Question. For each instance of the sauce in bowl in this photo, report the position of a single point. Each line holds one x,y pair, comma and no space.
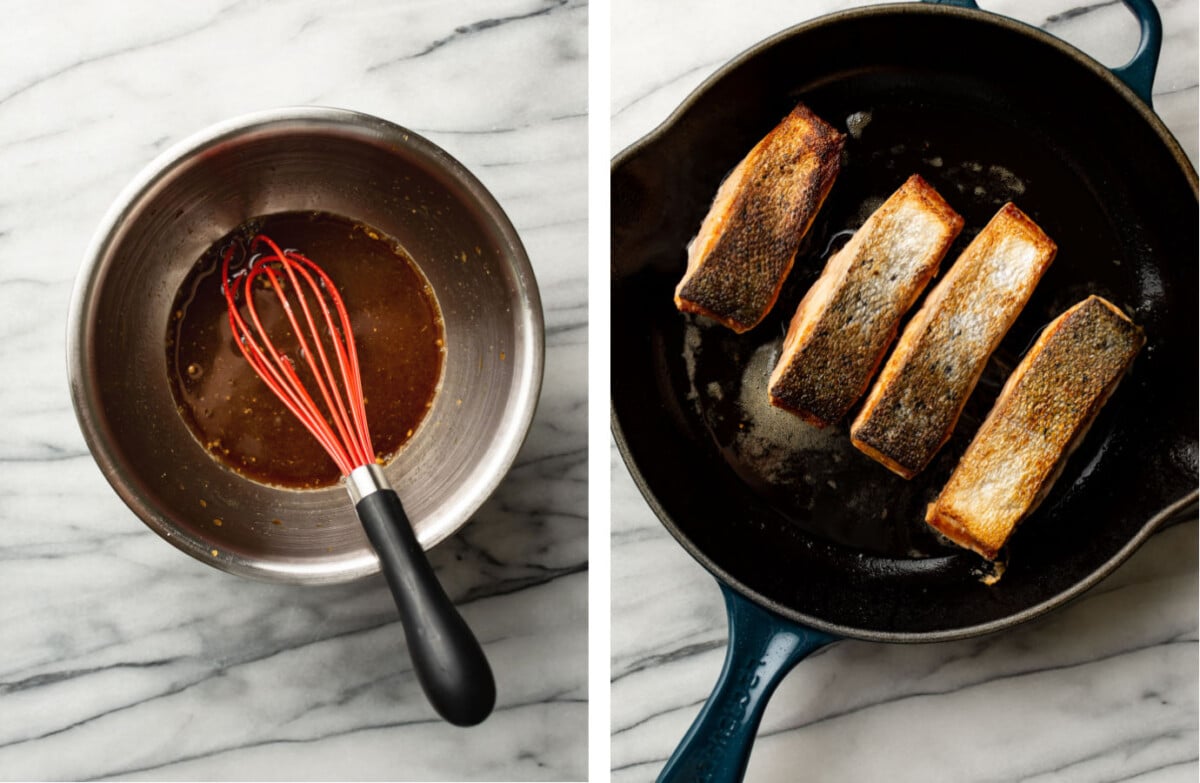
397,328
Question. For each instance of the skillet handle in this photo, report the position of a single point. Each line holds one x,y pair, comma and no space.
763,647
1138,73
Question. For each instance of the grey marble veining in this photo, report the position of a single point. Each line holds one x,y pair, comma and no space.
119,656
1104,689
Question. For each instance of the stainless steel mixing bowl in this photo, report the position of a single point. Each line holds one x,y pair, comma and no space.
306,158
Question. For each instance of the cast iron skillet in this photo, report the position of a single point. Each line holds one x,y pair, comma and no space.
810,539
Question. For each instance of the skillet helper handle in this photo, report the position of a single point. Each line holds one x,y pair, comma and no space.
762,649
446,656
1138,73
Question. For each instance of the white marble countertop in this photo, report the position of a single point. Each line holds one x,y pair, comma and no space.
119,656
1102,690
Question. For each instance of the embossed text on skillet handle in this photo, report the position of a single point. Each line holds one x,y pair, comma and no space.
762,649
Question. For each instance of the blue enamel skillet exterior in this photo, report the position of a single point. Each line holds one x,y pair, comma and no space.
771,629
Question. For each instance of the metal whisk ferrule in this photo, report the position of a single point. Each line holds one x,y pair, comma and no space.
365,480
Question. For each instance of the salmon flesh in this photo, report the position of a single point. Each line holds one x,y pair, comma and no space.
911,410
848,319
1043,412
747,243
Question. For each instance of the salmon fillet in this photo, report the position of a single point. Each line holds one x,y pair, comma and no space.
918,397
845,323
1044,411
746,244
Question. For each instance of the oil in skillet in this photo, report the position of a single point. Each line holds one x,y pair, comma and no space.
397,329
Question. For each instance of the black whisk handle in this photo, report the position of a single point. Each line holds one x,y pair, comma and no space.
446,656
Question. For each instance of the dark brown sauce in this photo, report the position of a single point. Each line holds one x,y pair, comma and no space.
397,329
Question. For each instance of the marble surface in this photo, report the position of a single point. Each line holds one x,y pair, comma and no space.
119,656
1102,690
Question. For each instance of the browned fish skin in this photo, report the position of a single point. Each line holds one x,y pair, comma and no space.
1045,409
845,323
746,245
911,410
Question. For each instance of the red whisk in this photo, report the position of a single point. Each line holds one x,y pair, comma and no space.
324,392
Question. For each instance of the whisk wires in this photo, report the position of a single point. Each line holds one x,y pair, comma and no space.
340,424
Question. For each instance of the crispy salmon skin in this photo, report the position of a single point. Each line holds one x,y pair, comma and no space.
845,323
911,410
746,244
1043,412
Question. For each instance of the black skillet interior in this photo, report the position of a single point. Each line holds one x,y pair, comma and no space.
987,113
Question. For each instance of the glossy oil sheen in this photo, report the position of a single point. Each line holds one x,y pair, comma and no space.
397,329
